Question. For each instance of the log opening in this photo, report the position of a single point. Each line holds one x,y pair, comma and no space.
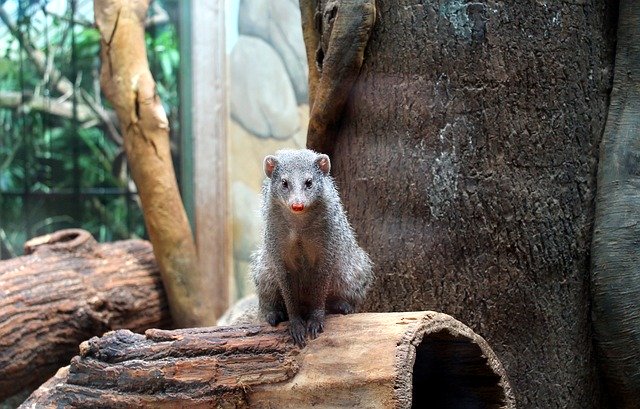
62,240
452,372
67,289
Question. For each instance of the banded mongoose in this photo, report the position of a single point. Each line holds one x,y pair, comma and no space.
309,261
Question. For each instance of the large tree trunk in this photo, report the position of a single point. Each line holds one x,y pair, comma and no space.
127,83
466,159
364,360
616,237
68,289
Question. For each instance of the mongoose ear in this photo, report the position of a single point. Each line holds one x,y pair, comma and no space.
270,163
323,163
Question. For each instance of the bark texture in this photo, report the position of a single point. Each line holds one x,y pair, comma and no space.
616,238
335,45
127,83
362,360
466,159
66,290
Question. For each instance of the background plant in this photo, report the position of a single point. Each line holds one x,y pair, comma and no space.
61,159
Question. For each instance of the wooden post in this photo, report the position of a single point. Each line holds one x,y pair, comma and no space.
209,116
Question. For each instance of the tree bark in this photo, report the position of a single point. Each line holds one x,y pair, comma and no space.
466,160
127,83
362,360
66,290
616,238
335,55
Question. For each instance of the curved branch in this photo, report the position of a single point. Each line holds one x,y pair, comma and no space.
616,238
127,82
345,27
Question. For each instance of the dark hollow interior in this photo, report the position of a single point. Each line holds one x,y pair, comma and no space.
67,237
450,372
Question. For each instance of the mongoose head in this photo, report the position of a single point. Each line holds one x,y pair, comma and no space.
297,178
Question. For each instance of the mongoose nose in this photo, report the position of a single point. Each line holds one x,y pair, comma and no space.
297,207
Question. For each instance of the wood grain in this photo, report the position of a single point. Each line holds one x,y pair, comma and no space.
466,160
361,360
66,290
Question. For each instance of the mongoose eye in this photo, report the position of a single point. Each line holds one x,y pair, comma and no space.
285,184
308,183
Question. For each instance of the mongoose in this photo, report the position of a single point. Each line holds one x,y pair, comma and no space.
309,261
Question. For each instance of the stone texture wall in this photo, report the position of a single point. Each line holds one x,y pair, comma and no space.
268,108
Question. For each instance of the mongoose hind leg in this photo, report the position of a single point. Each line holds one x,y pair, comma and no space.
275,317
272,306
339,306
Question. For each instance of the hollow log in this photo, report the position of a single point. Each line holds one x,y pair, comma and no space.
374,360
67,289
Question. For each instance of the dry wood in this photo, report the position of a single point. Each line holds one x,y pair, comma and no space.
363,360
335,40
66,290
64,109
127,83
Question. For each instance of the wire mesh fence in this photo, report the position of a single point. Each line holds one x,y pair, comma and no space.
61,156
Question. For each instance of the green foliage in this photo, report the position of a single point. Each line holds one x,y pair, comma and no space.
58,172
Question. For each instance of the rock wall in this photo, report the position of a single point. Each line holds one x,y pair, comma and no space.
268,96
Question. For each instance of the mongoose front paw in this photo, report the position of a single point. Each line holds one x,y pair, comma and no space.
298,331
275,317
314,327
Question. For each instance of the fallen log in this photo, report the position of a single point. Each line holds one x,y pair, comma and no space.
374,360
67,289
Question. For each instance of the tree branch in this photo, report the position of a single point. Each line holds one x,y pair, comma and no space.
159,17
39,59
28,102
61,83
127,82
309,9
345,27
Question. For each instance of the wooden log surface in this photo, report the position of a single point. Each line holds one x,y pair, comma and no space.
373,360
67,289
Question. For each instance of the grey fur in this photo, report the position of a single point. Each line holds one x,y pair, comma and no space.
309,262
